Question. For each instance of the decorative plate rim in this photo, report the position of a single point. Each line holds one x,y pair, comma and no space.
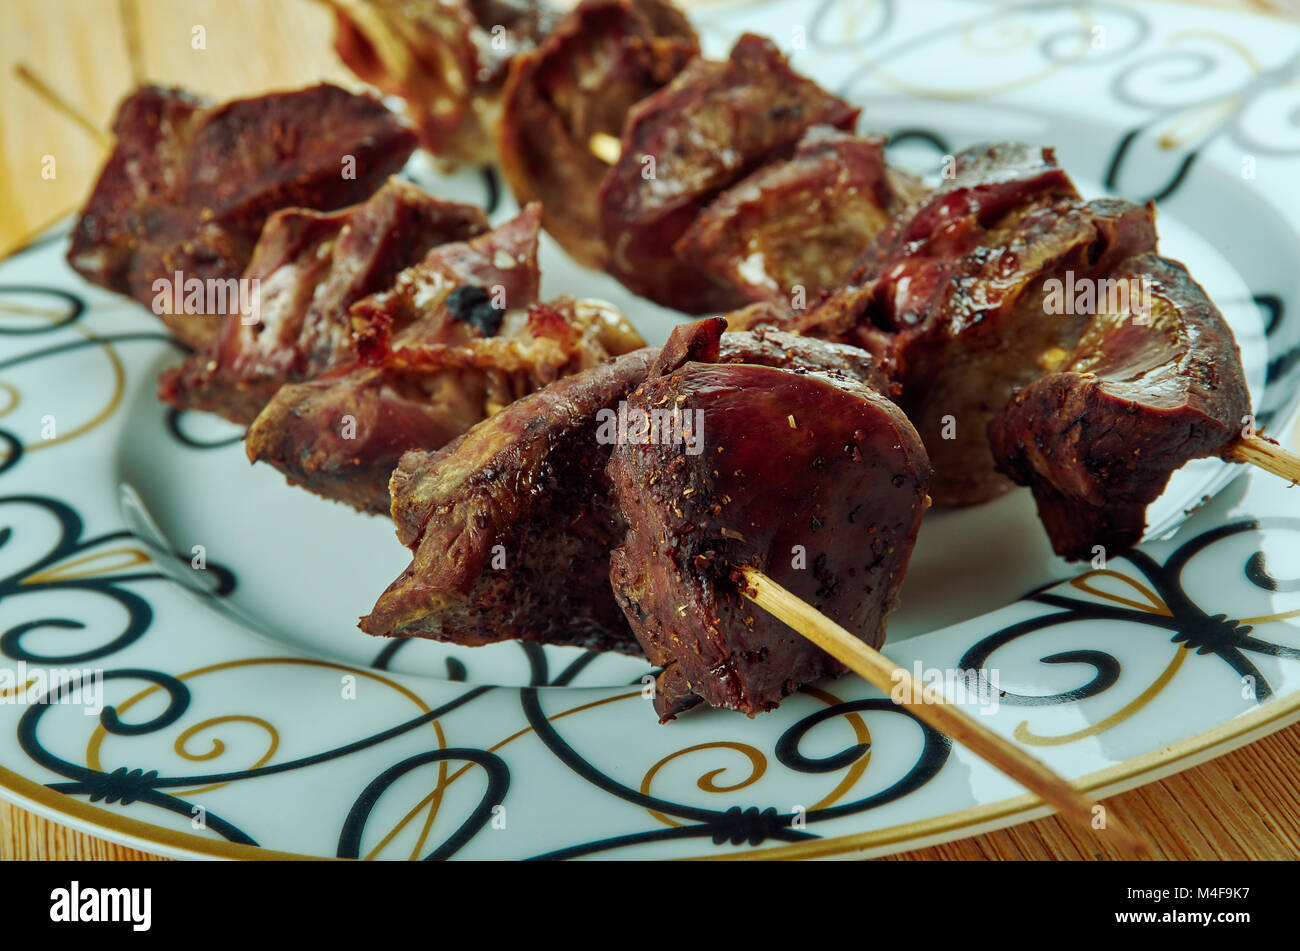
1223,737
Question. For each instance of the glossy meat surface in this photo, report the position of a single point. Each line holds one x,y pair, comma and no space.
342,434
712,125
1139,395
802,223
531,479
458,292
602,58
957,286
527,484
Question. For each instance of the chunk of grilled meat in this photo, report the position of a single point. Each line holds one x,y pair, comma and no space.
189,185
1138,396
813,478
1092,405
710,127
579,84
446,59
342,434
311,268
531,479
959,286
451,342
795,228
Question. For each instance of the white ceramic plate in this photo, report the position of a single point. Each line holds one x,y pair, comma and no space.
246,716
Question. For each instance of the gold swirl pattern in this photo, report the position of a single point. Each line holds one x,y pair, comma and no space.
14,396
434,798
219,747
1202,120
100,734
114,399
1152,604
965,93
129,558
863,737
708,781
16,691
115,365
1023,734
1006,38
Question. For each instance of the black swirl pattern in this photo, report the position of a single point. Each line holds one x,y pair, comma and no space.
1187,623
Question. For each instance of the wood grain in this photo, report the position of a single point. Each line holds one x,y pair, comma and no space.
1245,805
79,48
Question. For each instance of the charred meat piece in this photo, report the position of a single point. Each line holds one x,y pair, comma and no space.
903,276
458,292
603,57
814,479
1145,389
436,353
447,59
189,185
995,332
531,479
959,284
799,226
342,434
311,267
706,130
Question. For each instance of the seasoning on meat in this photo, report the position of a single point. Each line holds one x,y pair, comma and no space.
421,376
531,479
423,304
795,228
829,509
1138,396
958,285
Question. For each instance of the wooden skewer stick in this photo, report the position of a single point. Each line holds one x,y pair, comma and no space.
129,14
57,102
1268,455
931,707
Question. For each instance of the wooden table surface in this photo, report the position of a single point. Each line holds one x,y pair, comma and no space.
1245,805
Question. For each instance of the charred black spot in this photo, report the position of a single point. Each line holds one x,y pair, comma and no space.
471,304
826,578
